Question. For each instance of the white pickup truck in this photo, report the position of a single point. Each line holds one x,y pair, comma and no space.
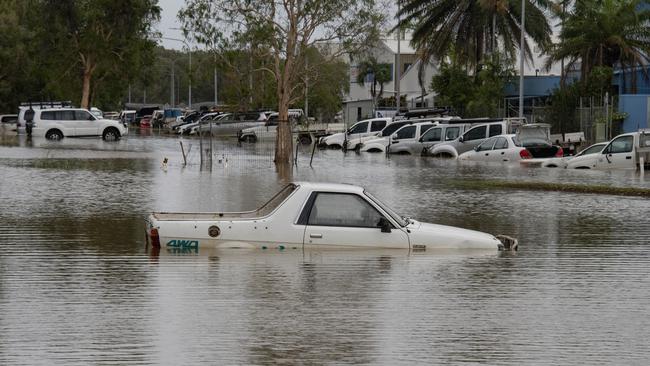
304,215
626,151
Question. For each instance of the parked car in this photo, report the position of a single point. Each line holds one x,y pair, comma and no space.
57,123
8,123
322,215
384,133
352,137
530,146
128,116
622,152
473,137
265,132
406,134
145,122
442,132
229,124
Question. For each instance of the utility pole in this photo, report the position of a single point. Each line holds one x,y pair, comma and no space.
172,99
306,88
215,80
521,58
398,63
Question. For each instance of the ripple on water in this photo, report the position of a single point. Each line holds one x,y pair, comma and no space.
78,287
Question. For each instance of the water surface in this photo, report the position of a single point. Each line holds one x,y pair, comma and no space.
78,287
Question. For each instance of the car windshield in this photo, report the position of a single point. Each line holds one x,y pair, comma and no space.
401,221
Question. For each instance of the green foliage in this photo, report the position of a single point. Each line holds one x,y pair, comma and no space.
49,48
562,104
477,96
379,74
455,88
604,33
472,29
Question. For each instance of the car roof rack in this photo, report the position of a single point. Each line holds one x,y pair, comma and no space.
414,113
50,104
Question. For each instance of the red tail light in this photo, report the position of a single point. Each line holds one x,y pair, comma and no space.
525,154
559,153
155,239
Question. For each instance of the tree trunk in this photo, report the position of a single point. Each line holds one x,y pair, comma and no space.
89,67
284,141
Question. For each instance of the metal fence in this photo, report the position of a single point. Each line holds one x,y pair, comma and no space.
246,144
592,115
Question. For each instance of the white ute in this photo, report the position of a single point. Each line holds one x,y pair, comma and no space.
626,151
304,215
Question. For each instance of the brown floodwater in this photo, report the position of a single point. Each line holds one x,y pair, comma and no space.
78,287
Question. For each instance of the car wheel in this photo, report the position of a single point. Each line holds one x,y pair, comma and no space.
111,134
55,135
250,138
335,146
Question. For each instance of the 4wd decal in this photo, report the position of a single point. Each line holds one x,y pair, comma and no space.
178,243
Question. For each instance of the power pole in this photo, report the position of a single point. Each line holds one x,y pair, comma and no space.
398,63
521,58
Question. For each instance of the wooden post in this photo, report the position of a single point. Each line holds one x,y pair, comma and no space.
183,151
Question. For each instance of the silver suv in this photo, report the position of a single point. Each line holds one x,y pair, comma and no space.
473,137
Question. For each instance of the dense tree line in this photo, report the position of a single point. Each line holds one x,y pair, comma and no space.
85,51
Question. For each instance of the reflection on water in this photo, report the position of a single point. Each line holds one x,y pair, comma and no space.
77,285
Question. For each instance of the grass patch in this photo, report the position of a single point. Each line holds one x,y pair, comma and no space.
554,187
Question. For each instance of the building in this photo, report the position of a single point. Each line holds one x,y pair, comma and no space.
358,104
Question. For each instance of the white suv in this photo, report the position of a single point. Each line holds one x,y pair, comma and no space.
57,123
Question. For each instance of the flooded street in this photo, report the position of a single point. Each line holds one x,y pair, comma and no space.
77,286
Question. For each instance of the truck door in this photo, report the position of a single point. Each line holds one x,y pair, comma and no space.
472,138
348,220
619,154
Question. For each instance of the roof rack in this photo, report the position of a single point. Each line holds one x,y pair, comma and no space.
50,104
425,112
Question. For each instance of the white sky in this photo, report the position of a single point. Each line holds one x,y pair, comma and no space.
168,19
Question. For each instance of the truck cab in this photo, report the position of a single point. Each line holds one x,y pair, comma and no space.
626,151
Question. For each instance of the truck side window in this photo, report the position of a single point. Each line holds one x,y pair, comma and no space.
451,133
377,126
433,134
623,144
359,128
495,130
336,209
407,132
475,133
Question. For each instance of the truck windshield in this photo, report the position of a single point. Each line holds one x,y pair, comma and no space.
399,219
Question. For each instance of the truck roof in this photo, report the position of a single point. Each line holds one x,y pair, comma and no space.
334,187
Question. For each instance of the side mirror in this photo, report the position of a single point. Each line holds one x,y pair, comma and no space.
385,225
461,139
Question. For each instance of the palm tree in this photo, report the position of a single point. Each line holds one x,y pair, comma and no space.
473,28
379,73
609,33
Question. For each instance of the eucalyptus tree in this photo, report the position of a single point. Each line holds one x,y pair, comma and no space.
604,33
97,39
471,29
379,74
282,31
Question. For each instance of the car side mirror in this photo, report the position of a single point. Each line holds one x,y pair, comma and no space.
385,225
461,139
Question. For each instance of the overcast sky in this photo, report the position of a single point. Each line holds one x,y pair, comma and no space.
169,20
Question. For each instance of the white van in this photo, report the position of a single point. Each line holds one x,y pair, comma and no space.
57,123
